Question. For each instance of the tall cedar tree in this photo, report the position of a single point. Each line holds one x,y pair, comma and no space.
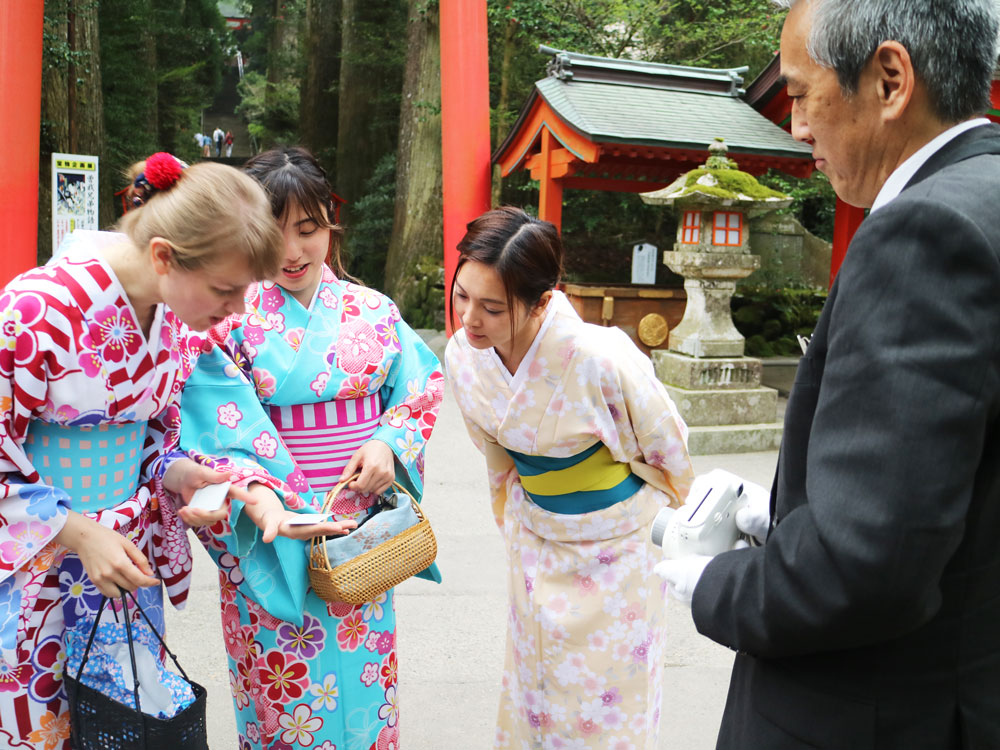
370,82
417,234
72,103
318,100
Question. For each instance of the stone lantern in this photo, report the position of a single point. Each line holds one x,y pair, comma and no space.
716,388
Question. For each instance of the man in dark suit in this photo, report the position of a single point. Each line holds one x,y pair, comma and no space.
870,616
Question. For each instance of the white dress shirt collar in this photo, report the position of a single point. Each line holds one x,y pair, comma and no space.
905,171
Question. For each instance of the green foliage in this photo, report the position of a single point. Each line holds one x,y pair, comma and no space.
270,110
705,33
271,86
258,39
814,202
191,39
599,230
56,49
709,33
161,64
770,319
366,241
422,305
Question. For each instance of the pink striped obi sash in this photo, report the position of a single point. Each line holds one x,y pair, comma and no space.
323,437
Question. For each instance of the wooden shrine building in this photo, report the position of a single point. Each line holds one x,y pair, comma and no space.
596,123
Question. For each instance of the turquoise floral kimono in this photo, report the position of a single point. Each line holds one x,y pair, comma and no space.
286,396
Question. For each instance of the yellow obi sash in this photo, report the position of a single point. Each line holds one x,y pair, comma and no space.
589,481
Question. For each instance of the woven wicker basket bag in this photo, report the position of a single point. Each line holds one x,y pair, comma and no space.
375,571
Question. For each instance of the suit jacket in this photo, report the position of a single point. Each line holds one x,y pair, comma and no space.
871,617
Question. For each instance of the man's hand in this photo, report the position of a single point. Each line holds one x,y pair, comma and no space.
375,461
682,575
755,518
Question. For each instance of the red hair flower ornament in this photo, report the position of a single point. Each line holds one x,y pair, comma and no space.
161,172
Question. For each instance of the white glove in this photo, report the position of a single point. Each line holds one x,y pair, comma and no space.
755,518
682,575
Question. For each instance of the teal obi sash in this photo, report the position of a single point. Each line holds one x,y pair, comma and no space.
96,465
589,481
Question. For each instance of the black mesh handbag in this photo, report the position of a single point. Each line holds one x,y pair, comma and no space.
99,723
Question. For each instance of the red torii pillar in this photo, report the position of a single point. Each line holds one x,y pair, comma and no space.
20,123
465,125
846,221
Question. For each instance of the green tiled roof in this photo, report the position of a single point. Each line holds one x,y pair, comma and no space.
650,116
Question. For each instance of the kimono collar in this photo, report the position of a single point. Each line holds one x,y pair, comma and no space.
514,381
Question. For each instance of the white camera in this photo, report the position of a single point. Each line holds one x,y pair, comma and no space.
706,525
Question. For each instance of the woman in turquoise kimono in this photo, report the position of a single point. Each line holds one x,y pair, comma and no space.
318,380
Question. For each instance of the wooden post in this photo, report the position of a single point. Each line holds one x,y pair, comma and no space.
465,125
846,221
20,122
550,191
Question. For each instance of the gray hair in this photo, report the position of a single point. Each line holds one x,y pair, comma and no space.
952,43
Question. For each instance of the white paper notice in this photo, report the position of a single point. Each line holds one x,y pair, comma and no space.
644,263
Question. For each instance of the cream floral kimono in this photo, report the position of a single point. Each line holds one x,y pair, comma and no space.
585,633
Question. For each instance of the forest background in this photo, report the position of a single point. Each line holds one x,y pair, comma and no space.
358,83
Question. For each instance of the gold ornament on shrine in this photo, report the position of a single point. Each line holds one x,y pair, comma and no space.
653,330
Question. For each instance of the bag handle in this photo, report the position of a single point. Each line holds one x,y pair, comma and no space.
156,634
131,654
160,639
319,541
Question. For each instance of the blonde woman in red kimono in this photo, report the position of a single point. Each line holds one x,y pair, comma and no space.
93,351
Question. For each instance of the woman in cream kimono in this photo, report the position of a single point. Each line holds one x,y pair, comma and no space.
318,379
583,446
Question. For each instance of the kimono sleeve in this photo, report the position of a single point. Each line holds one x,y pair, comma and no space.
411,398
500,467
224,425
31,512
162,445
652,417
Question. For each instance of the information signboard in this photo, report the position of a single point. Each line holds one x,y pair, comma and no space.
74,195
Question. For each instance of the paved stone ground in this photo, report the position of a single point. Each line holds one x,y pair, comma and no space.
451,636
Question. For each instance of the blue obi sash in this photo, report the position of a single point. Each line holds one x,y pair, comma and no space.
96,465
589,481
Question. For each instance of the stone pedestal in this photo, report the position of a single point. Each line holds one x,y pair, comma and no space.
707,329
726,408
